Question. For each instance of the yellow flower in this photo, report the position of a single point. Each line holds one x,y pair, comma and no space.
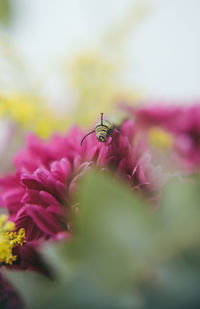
95,79
97,76
9,239
31,113
92,79
160,138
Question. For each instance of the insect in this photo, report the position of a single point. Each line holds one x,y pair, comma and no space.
102,130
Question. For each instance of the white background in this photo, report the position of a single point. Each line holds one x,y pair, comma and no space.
164,50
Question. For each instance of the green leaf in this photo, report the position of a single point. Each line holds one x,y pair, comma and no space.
33,287
113,230
122,255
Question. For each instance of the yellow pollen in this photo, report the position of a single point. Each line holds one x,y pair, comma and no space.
9,239
160,138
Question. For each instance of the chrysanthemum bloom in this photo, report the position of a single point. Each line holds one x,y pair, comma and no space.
182,125
38,195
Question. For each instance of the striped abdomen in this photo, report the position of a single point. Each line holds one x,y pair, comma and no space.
102,131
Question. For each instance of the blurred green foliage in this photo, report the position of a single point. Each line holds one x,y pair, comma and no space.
5,12
124,253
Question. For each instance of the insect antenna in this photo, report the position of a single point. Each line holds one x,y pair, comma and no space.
102,119
86,136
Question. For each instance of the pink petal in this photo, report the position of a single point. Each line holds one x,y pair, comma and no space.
46,221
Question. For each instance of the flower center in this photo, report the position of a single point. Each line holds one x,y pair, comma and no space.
9,239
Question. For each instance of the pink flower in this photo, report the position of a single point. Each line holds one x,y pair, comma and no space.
37,196
182,122
157,115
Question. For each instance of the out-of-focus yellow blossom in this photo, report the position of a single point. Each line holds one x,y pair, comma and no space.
96,82
28,110
92,79
31,113
96,75
9,240
160,138
2,109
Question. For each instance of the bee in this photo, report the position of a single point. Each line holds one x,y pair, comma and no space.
102,130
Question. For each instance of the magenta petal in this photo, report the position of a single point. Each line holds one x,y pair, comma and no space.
9,181
22,220
91,152
102,155
13,197
134,170
61,169
50,183
128,129
77,162
45,220
48,198
66,167
56,210
30,182
121,166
